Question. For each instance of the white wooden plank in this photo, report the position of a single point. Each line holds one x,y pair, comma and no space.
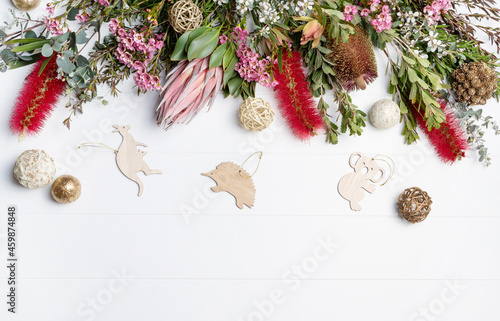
236,300
249,247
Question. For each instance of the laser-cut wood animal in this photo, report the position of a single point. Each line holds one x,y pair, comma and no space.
234,180
351,186
129,159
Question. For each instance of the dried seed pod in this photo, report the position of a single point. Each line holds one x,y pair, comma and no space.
474,83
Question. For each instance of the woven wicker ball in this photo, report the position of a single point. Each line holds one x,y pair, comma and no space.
256,114
414,204
185,16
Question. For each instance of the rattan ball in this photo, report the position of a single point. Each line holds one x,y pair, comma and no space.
185,16
256,114
414,204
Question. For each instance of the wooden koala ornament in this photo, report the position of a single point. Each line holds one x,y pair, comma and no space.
352,186
129,159
234,180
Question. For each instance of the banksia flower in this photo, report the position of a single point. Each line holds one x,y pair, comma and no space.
355,64
190,86
37,99
449,140
295,99
474,83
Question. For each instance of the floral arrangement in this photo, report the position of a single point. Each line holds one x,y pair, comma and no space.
439,71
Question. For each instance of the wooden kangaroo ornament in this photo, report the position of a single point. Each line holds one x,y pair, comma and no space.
129,159
352,186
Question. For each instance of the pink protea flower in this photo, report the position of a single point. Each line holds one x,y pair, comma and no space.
189,87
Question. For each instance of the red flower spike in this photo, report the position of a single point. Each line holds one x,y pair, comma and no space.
449,140
295,99
36,99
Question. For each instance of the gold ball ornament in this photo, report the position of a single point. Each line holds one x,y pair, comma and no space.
26,5
66,189
185,16
256,114
414,205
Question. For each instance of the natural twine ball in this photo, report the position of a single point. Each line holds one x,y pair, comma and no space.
185,16
34,168
256,114
26,5
66,189
414,204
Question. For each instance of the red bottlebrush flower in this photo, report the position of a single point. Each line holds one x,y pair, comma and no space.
449,140
36,99
295,99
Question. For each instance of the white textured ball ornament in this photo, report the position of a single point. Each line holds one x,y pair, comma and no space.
34,168
384,114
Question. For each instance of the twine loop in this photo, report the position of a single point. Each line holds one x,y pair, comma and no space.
258,164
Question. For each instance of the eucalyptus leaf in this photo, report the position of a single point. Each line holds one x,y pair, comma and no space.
72,14
195,34
62,38
65,65
30,35
229,72
47,50
81,37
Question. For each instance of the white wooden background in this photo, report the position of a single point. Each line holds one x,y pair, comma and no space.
182,252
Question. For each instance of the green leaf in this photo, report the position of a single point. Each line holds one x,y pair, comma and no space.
412,75
234,84
218,54
228,56
81,61
30,46
409,60
179,52
204,45
47,50
229,72
195,34
42,67
72,14
24,40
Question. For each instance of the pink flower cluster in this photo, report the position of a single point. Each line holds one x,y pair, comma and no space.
103,2
81,18
50,8
350,12
383,20
53,25
136,51
435,9
250,66
380,22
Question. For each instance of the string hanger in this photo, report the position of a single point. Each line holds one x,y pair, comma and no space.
392,168
98,145
258,164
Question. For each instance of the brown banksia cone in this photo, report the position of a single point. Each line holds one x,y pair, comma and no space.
355,64
474,83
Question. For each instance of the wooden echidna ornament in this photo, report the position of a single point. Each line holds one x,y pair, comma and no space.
234,180
355,64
